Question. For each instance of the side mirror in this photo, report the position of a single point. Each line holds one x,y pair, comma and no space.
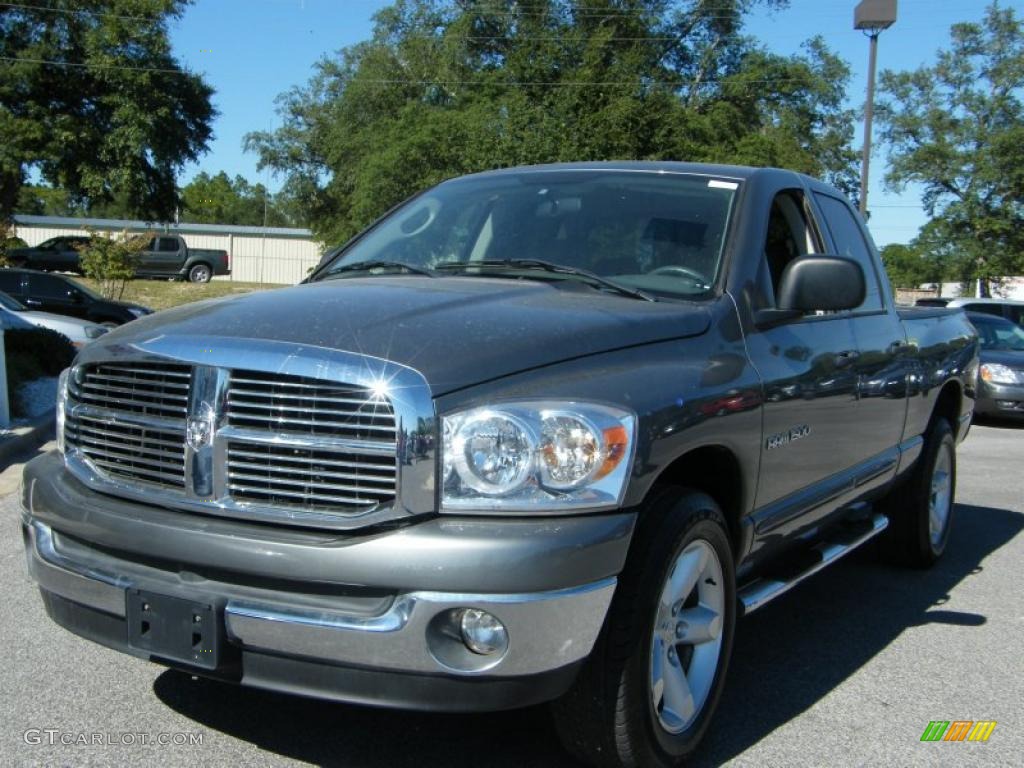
821,284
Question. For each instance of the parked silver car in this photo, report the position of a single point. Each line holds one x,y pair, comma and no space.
13,314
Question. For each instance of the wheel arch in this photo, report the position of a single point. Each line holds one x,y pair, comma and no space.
948,405
716,471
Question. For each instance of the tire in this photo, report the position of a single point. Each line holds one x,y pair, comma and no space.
920,509
617,714
200,273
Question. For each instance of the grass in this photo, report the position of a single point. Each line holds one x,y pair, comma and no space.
161,294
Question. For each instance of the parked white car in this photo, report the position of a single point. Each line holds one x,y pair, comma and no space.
15,315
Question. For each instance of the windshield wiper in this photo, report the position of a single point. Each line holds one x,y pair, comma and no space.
392,266
547,266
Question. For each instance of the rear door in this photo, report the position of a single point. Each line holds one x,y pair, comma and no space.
166,259
881,362
53,294
11,283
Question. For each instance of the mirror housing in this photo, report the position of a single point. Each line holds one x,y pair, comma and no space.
821,284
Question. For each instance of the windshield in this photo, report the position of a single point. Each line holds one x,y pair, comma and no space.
8,303
662,233
998,334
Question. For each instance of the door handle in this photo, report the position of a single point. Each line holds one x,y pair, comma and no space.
33,302
843,359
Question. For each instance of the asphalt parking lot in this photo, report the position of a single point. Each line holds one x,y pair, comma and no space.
846,670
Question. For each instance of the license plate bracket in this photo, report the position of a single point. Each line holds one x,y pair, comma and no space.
174,628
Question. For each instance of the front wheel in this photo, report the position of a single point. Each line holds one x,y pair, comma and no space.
200,273
647,693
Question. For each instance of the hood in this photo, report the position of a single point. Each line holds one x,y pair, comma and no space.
1006,357
456,331
49,317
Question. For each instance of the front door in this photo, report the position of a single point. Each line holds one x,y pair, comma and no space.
810,387
52,294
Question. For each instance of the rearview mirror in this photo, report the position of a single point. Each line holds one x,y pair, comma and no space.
821,284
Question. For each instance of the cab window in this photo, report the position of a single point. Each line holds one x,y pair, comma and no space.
790,235
849,240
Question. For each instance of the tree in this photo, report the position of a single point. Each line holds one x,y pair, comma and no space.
957,129
92,100
446,87
221,200
908,267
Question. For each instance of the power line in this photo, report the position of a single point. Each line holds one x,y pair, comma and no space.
87,65
446,83
77,12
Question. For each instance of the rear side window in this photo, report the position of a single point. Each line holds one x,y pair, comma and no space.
168,244
47,287
10,282
849,241
988,309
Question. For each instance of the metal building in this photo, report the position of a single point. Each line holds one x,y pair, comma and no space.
258,254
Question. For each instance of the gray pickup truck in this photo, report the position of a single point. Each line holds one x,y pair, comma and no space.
541,434
169,256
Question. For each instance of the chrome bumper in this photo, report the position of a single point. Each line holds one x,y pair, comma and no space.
547,630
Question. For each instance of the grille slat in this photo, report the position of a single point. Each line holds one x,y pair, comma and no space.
281,496
298,471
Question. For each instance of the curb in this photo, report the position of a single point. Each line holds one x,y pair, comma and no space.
28,436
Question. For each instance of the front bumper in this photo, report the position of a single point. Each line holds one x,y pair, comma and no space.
362,619
999,399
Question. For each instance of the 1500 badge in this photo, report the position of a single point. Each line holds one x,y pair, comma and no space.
785,438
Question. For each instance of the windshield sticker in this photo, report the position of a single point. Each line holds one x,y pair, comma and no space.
717,184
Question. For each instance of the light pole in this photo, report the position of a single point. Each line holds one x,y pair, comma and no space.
871,16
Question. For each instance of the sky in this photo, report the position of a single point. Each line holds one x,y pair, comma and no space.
251,51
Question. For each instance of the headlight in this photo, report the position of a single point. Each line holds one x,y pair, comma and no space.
140,311
997,373
95,331
62,404
536,456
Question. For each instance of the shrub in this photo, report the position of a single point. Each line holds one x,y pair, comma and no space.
8,242
32,354
111,261
52,351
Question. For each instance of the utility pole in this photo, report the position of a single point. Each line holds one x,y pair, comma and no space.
871,17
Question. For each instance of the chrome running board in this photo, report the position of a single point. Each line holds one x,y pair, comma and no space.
763,590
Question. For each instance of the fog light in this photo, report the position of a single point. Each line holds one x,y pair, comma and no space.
483,633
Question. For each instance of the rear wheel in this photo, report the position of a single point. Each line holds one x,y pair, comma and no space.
920,510
648,690
200,273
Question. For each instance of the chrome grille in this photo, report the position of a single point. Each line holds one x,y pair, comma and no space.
152,389
298,475
274,474
128,420
300,405
211,437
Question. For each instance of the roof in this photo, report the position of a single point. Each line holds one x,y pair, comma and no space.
738,172
182,228
961,300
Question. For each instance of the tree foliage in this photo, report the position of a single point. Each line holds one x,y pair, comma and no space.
92,100
909,267
221,200
111,260
957,129
446,87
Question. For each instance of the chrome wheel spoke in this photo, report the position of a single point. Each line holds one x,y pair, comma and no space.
688,569
678,698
